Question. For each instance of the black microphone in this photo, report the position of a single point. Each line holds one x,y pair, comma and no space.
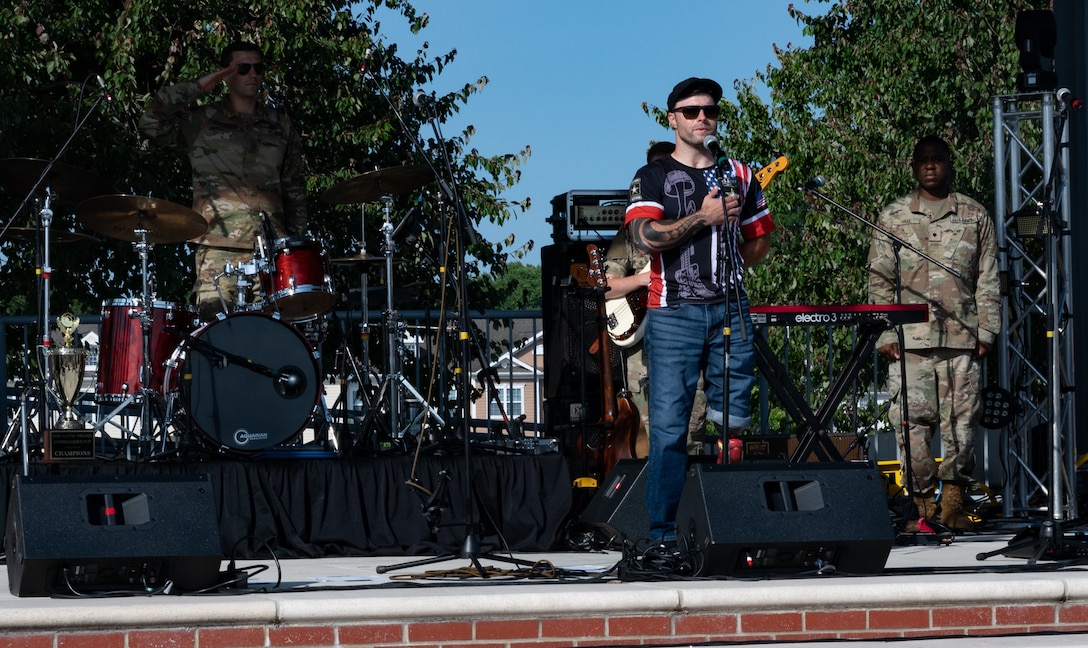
712,145
422,99
728,179
1067,100
814,183
108,96
289,382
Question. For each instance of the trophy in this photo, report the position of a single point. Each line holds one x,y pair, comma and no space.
69,364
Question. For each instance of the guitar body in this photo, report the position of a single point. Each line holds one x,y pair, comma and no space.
619,418
627,419
627,317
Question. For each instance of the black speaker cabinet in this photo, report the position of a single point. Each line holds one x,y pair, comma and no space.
767,518
68,535
618,508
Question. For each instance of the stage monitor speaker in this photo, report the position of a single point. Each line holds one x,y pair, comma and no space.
618,508
71,535
779,518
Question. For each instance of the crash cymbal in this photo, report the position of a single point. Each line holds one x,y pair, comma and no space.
69,185
371,186
30,235
361,258
121,216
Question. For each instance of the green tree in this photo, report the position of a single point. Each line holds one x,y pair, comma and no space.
519,288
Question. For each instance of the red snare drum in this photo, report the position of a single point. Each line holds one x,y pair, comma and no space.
121,344
298,283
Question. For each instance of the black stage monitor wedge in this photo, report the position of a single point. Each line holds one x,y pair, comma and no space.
618,508
787,518
70,535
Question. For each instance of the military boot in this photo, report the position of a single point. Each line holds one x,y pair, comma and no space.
927,510
953,514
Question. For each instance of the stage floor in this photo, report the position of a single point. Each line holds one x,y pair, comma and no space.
925,591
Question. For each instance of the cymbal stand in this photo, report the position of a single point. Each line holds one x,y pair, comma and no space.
46,215
45,364
457,240
347,364
394,330
143,249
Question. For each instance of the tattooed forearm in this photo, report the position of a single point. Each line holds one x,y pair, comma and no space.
651,236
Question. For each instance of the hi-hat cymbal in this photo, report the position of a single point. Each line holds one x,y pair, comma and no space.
361,258
125,217
69,185
371,186
30,235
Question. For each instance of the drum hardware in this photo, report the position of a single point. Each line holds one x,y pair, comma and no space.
48,182
145,221
381,185
376,185
391,392
141,219
62,237
243,271
67,185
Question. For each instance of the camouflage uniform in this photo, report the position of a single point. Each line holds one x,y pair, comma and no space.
243,164
621,260
941,369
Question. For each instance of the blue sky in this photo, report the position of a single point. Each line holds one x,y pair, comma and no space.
568,78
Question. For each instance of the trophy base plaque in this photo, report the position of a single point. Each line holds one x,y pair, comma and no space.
61,444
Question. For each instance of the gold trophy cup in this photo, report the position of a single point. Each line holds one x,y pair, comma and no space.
69,365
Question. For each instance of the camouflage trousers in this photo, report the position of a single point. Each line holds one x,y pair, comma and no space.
942,393
215,291
639,384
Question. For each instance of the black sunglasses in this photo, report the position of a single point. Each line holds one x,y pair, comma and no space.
244,68
692,112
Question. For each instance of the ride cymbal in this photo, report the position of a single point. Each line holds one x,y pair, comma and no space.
61,237
68,184
138,218
371,186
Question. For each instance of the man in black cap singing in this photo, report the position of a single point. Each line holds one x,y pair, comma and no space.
703,220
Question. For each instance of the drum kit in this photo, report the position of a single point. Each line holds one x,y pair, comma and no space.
249,380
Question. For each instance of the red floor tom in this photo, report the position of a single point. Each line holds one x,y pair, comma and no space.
121,344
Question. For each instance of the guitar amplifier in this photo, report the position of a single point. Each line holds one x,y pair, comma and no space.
585,215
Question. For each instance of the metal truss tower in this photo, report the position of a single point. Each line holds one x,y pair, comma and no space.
1035,348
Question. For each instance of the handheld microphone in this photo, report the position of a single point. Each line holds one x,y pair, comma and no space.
814,183
1067,100
109,98
422,99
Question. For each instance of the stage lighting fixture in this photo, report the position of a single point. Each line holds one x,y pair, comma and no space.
1036,35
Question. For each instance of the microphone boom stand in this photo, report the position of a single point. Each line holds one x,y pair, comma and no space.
464,234
897,245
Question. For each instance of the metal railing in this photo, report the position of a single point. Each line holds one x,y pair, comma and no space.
511,344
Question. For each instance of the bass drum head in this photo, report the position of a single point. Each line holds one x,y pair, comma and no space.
249,382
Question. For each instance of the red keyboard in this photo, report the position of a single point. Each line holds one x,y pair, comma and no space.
803,315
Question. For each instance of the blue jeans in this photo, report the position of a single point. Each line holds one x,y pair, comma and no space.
680,342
